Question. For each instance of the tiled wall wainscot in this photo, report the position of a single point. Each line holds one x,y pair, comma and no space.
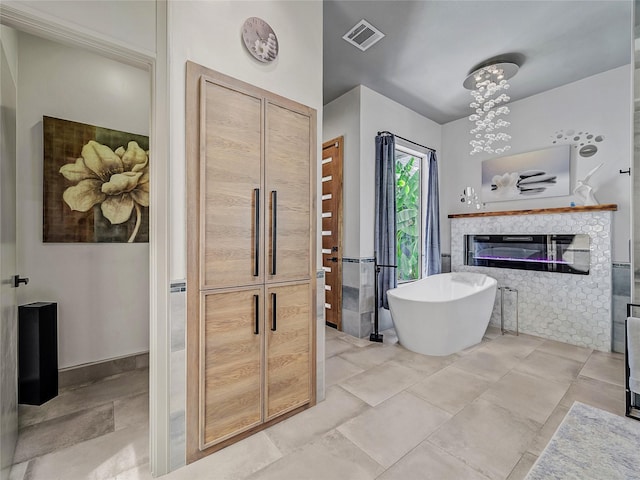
357,296
574,309
178,375
621,287
320,321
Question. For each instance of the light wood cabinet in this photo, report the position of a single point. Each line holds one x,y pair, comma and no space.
288,184
230,184
232,351
288,368
251,162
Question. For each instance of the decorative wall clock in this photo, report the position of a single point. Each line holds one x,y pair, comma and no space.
260,39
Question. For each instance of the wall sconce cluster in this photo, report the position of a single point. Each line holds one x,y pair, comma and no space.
470,197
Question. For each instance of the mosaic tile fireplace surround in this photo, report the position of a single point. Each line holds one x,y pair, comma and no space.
574,309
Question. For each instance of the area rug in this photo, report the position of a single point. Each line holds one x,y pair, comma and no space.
591,444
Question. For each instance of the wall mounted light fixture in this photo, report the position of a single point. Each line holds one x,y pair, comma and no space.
470,197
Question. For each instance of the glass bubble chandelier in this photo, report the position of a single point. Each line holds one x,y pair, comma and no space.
488,84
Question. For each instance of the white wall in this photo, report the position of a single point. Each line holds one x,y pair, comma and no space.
341,117
359,115
9,42
600,104
208,33
131,22
101,289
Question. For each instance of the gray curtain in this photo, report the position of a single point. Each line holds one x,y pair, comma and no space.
433,260
385,227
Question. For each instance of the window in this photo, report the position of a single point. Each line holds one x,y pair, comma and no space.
409,212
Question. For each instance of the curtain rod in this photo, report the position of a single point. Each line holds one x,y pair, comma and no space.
407,140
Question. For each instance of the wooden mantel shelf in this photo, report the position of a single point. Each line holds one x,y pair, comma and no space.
538,211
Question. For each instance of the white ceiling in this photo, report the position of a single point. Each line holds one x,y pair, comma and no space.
431,46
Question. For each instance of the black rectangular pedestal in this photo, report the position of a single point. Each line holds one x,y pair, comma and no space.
37,353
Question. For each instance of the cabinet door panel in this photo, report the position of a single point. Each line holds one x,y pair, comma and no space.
287,150
288,382
231,379
231,176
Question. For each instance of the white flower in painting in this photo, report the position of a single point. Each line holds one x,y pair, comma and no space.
118,181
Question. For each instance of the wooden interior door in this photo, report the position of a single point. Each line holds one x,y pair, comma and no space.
231,377
332,153
288,347
288,194
231,190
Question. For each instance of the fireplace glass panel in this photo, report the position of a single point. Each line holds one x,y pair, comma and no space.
544,252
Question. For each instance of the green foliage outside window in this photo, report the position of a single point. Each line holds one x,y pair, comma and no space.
408,218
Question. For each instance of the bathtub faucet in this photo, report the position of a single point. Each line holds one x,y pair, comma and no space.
377,336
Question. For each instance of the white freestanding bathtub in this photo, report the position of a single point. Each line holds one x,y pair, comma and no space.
443,314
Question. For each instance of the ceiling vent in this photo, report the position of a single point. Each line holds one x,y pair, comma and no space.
363,35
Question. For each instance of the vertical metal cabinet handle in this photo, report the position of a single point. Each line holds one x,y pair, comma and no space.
274,315
256,247
256,328
274,230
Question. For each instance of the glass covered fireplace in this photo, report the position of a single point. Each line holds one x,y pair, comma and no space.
544,252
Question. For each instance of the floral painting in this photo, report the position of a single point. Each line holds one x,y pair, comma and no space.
96,184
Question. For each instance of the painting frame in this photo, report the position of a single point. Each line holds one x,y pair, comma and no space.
535,174
95,184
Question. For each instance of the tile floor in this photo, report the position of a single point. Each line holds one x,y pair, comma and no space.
484,413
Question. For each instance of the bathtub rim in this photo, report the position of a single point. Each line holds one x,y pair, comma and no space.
477,288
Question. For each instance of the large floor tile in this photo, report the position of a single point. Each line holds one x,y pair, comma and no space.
331,333
234,462
548,429
572,352
74,399
371,356
425,364
98,459
603,395
550,367
487,437
331,457
358,342
525,395
516,346
391,430
521,469
138,473
335,346
606,367
451,388
490,365
428,461
338,407
131,411
337,369
379,383
61,432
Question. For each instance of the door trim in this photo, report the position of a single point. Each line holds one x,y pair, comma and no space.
26,19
